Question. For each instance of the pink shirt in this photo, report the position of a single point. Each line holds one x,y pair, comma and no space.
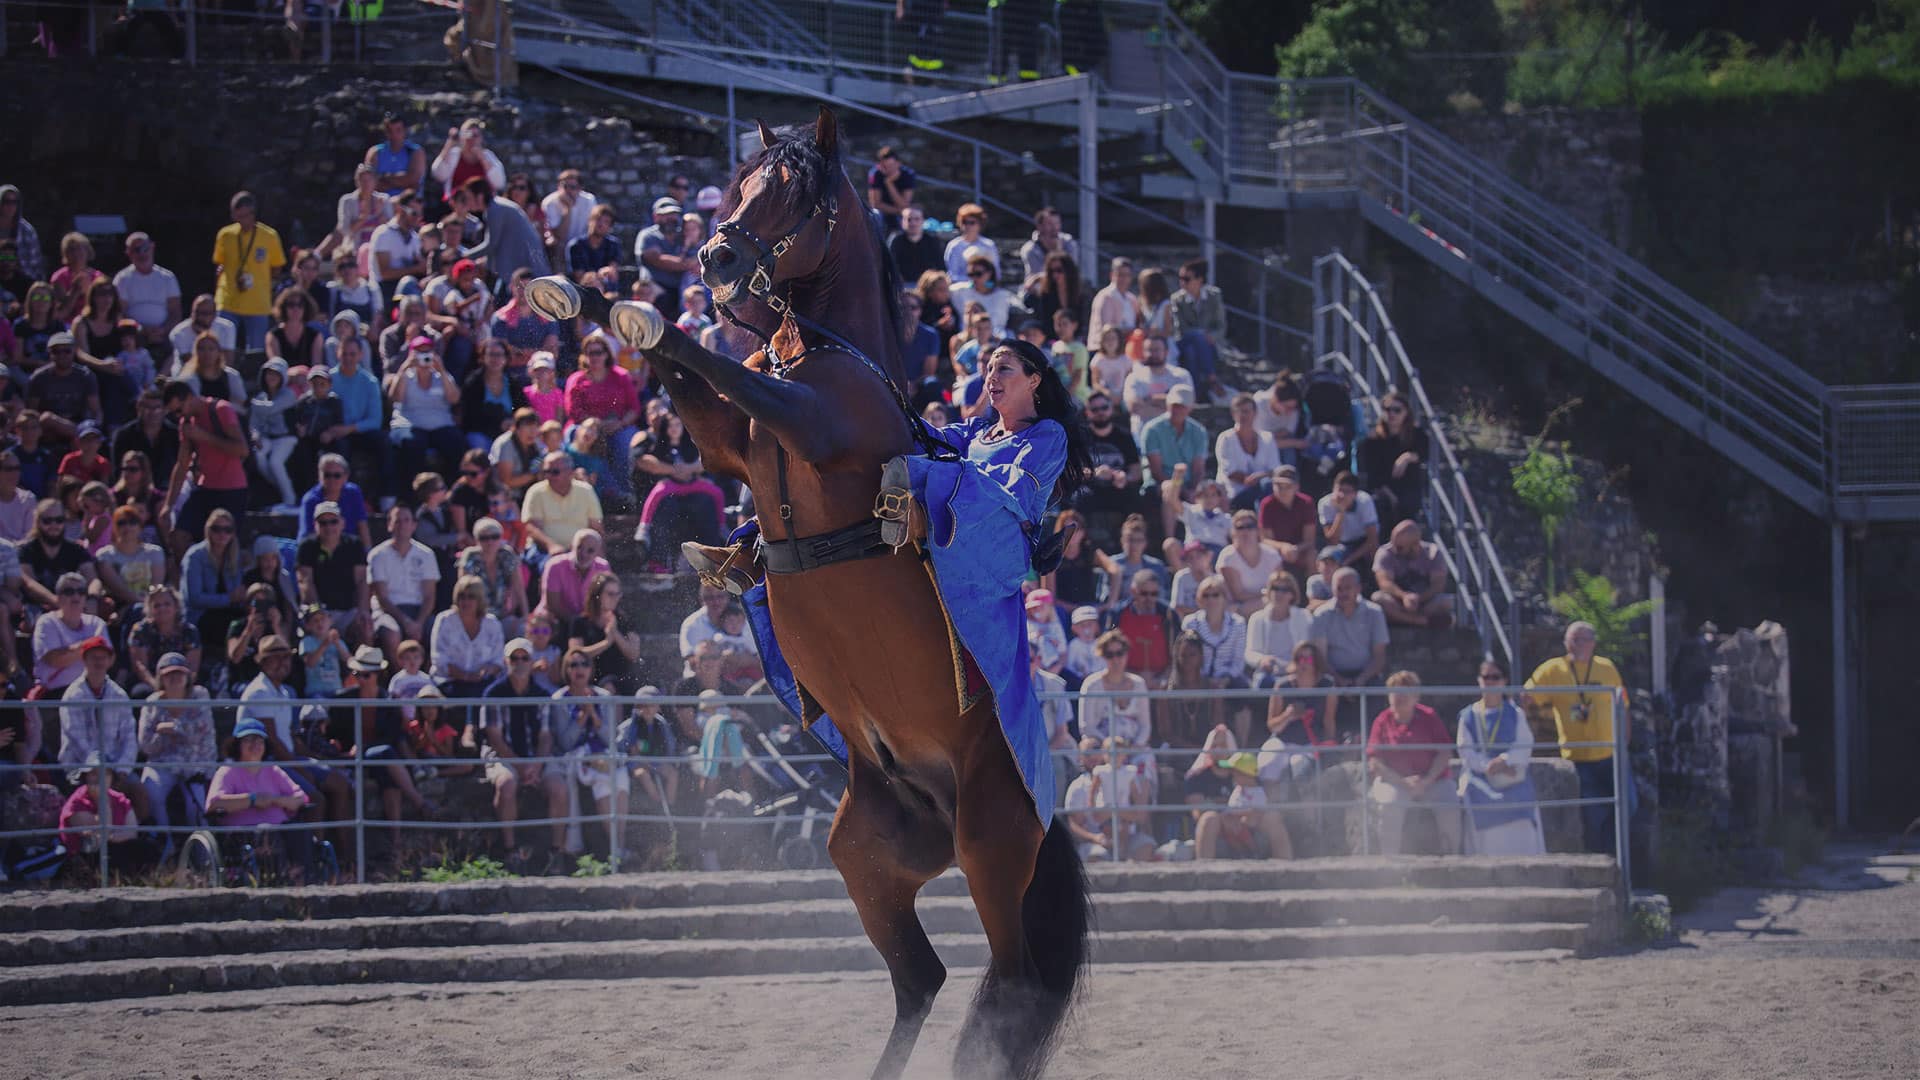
566,583
609,399
549,404
81,802
266,781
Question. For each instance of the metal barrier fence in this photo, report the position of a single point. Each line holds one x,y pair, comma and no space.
1363,698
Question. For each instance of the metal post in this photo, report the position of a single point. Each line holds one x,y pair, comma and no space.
93,49
1657,592
326,34
616,766
192,13
733,129
1842,716
1113,806
977,196
830,47
499,20
1260,309
3,29
1089,175
359,805
1209,236
103,809
1622,799
1366,793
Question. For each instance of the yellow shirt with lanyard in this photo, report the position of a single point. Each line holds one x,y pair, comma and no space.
248,259
1578,717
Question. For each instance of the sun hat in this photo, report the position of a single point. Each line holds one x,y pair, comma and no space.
272,643
325,508
172,661
368,659
249,726
666,205
1180,394
1088,613
708,198
1039,598
1334,552
518,644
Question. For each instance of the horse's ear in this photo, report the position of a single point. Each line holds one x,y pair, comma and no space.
826,133
767,138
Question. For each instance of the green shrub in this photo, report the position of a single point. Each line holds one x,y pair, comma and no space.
1593,599
478,868
588,866
1546,483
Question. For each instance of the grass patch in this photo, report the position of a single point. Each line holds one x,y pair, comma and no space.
588,866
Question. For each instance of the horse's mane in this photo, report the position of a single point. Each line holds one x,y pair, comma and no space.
813,173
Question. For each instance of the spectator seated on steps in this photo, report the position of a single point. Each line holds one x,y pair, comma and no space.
1416,776
1412,580
1248,828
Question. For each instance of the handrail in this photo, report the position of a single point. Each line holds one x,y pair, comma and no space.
1460,530
1256,263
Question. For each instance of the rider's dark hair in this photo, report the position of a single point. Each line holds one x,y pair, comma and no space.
1053,401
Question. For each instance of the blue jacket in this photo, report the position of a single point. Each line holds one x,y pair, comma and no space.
205,587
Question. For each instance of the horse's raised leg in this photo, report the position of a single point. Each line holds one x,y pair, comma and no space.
886,845
998,840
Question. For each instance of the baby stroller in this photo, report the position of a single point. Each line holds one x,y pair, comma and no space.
807,796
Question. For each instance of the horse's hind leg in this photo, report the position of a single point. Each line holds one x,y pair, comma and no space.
998,839
887,844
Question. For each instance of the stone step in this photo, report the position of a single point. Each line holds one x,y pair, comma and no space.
115,979
126,907
1116,913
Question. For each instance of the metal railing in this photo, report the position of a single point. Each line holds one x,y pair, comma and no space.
1542,265
1267,286
1351,326
1877,440
336,32
1176,816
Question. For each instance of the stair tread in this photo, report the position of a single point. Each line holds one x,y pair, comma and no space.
597,949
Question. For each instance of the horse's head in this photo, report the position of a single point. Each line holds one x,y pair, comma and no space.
780,215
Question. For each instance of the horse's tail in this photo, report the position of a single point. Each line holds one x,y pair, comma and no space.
1057,915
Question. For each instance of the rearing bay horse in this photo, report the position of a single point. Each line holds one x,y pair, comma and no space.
808,424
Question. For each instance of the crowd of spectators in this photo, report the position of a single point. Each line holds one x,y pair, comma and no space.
367,470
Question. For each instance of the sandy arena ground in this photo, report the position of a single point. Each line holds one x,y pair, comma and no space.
1819,981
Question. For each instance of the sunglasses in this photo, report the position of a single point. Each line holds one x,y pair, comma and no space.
219,528
1146,592
61,520
1491,677
1396,410
539,629
326,521
1114,654
556,472
72,592
334,475
495,537
473,472
519,658
133,466
978,273
1244,528
579,664
678,185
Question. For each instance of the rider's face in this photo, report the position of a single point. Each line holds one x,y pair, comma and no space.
1010,387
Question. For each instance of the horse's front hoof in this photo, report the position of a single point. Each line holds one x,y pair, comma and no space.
636,323
553,298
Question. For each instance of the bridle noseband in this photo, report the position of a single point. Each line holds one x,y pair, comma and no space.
760,283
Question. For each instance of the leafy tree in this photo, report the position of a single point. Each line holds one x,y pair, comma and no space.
1593,599
1415,51
1244,34
1547,484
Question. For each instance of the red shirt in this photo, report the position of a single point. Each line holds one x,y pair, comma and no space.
1286,523
1147,640
1425,727
609,399
79,464
214,469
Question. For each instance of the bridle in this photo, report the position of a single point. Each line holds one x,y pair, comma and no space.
761,286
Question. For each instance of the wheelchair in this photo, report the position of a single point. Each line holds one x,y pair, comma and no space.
238,860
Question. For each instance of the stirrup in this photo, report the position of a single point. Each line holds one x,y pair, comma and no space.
734,574
894,505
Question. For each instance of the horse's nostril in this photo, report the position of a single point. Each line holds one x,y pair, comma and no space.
721,256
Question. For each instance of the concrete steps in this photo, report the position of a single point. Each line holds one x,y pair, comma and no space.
137,943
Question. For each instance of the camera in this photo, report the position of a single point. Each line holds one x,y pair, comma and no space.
261,604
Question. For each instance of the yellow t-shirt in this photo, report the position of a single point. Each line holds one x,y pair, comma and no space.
260,255
1568,721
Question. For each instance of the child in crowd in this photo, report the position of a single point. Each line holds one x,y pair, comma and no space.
693,311
742,659
1111,365
321,652
1198,567
1035,335
1207,518
544,397
585,452
96,516
319,410
967,357
1083,656
1070,356
503,509
552,436
85,461
270,416
350,291
1320,585
136,363
546,651
409,681
431,738
1045,635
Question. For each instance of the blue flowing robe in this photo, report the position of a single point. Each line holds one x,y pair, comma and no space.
984,514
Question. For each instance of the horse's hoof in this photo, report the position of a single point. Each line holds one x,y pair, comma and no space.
635,322
553,298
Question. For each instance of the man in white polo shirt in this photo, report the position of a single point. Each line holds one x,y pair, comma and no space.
406,582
